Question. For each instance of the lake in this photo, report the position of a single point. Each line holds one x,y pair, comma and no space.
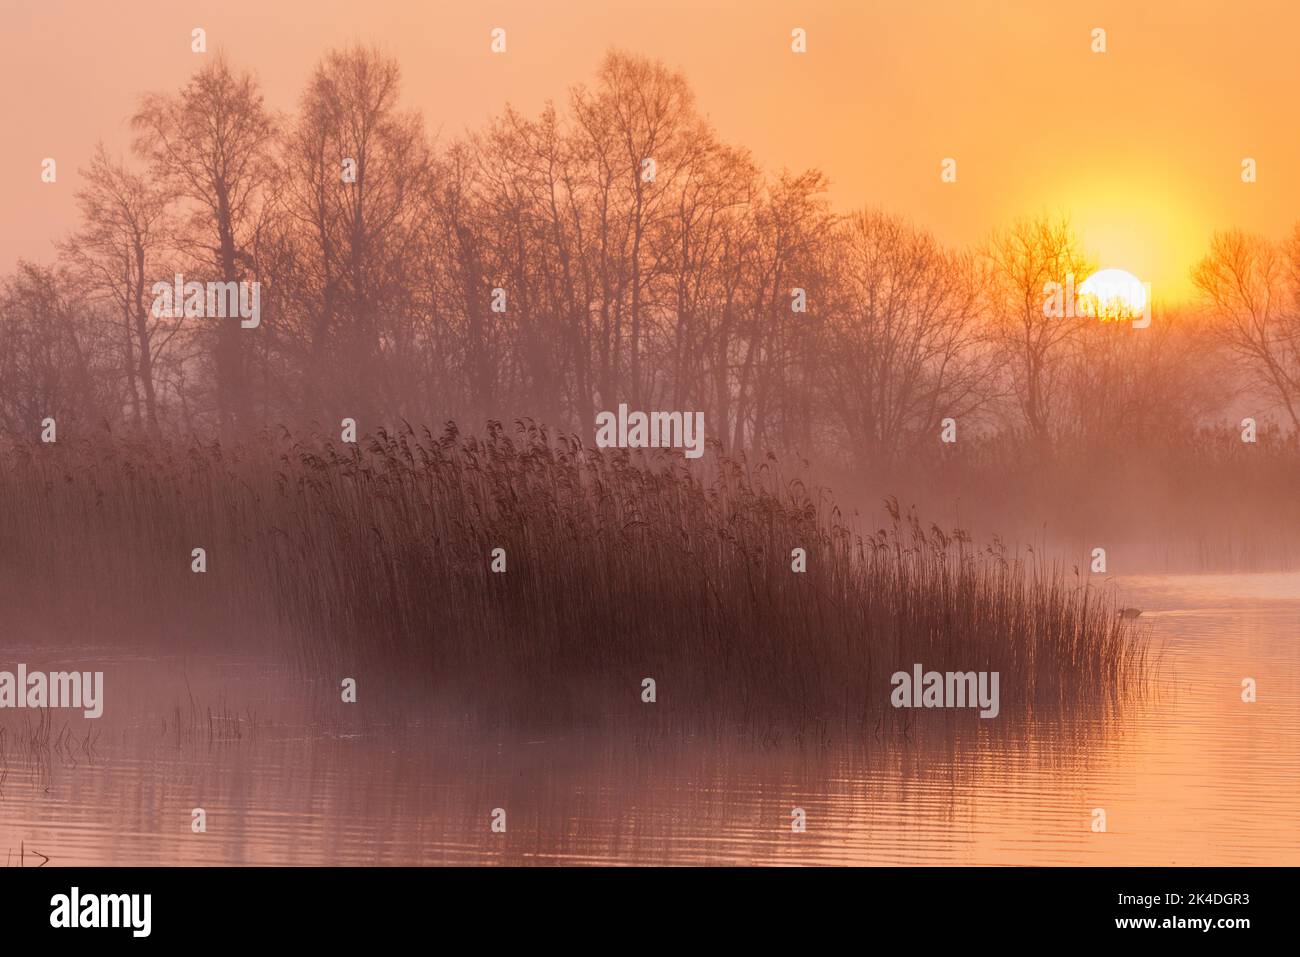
1187,774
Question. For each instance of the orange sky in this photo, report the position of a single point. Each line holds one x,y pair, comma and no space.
1142,145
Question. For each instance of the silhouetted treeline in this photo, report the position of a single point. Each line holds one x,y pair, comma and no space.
611,249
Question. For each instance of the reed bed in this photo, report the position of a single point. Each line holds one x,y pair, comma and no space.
374,561
34,742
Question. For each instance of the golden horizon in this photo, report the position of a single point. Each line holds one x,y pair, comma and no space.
1140,145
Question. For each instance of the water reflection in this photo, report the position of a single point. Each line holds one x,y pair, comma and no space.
1188,774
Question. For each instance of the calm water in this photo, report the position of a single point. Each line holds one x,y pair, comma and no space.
1190,775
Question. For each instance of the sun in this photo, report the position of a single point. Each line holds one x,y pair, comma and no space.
1112,294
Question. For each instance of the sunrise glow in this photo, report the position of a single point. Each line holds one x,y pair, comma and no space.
1112,294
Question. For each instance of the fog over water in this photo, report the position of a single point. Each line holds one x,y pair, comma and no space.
1188,775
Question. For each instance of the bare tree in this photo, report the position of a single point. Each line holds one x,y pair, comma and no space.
1249,286
1023,262
210,144
778,345
635,127
356,170
1144,385
119,247
906,345
55,360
